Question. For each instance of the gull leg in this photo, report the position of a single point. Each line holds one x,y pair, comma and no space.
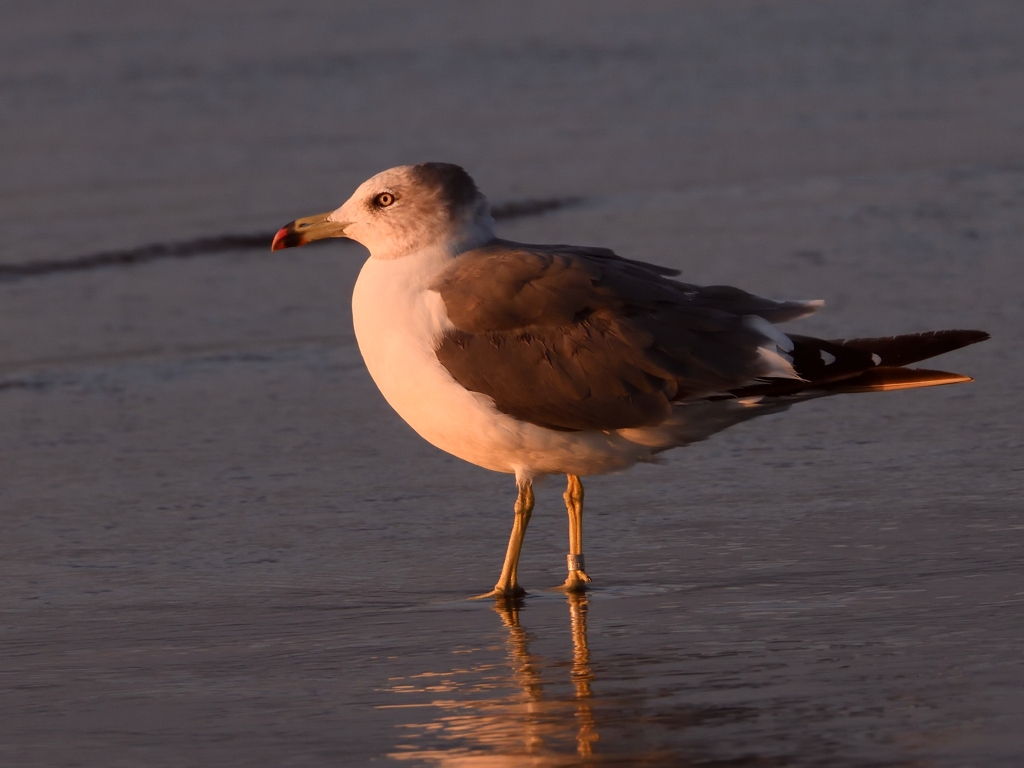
577,579
508,583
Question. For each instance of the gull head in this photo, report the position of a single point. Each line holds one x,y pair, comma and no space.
401,211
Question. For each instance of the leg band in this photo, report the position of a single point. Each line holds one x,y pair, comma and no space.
575,562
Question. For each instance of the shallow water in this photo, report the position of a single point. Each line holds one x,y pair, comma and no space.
220,546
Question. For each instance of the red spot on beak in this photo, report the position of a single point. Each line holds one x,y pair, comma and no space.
286,237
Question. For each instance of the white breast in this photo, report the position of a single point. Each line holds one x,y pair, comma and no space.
398,324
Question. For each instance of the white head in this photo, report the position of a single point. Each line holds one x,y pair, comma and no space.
404,210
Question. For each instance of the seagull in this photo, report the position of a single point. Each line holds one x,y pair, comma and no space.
536,360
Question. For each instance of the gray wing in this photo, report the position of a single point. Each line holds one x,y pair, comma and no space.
577,338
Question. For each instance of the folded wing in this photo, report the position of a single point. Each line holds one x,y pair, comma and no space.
576,338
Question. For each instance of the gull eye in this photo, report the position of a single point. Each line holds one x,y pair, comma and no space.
384,199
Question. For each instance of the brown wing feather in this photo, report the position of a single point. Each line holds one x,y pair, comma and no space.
576,338
586,375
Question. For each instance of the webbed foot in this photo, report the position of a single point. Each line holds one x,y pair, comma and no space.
513,592
576,582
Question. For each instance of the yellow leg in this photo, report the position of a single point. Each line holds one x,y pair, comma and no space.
508,582
577,579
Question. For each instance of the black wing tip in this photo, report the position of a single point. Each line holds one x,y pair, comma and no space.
958,338
914,347
964,335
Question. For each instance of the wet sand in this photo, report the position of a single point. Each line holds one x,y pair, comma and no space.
220,546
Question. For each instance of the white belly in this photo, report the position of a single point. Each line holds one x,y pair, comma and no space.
398,323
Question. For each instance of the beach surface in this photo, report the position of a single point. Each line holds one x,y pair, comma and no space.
218,544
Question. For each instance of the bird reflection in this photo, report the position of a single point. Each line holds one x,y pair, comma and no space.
582,675
527,676
535,721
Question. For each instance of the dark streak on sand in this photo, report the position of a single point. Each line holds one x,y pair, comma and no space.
208,246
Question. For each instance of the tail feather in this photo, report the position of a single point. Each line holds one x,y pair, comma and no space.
865,365
885,379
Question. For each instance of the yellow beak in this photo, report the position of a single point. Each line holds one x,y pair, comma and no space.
302,231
